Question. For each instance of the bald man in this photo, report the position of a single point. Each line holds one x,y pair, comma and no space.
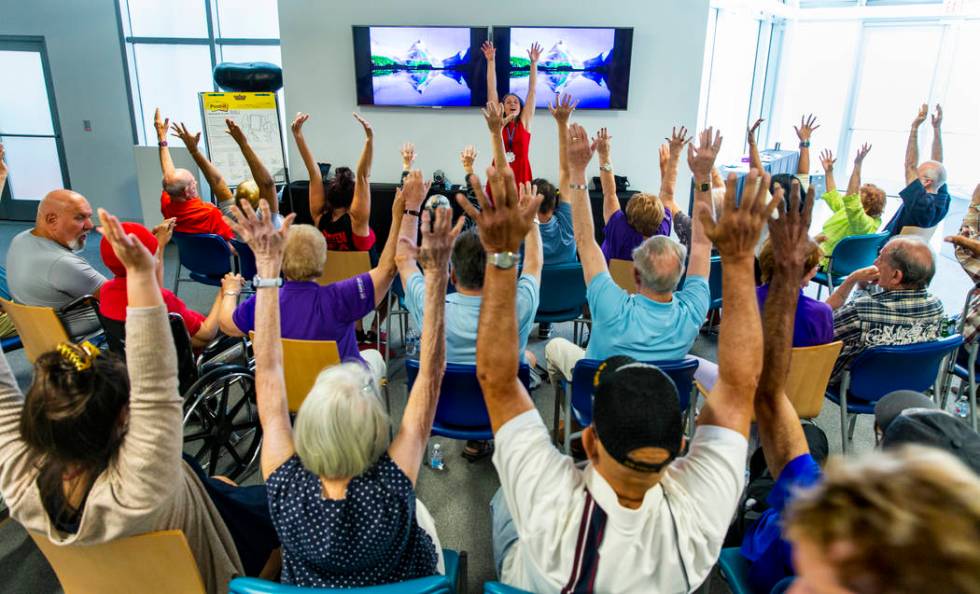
43,266
894,306
925,200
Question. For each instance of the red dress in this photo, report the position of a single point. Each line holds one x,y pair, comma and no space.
517,140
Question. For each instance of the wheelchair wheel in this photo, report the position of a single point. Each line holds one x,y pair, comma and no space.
221,421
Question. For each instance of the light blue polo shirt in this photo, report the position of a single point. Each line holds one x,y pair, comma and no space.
463,316
634,325
558,236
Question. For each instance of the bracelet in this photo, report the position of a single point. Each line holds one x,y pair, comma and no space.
414,213
805,144
162,143
231,294
578,187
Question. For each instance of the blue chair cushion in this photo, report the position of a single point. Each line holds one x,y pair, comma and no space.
214,281
467,433
735,569
11,344
854,404
557,316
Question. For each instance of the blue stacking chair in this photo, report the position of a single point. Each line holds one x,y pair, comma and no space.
881,370
246,260
453,582
714,289
850,254
578,395
735,569
498,588
12,343
562,295
964,365
461,412
205,255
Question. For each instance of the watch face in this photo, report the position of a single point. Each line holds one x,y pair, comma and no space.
504,259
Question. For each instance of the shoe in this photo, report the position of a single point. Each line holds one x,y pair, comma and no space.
535,379
477,450
544,331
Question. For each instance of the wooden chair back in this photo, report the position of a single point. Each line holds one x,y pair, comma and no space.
809,372
344,265
152,563
621,272
303,360
39,328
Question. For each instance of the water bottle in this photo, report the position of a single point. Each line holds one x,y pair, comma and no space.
412,342
436,461
962,407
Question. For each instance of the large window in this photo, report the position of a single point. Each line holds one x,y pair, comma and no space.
173,46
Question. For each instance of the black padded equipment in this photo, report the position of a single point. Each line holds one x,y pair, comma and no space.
248,76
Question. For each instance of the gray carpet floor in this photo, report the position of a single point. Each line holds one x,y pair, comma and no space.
459,496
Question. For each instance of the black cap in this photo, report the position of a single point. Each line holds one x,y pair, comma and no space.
938,429
891,406
636,406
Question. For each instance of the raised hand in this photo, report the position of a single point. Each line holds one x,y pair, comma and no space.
437,239
3,164
467,157
736,232
527,192
790,233
368,130
408,155
534,53
602,142
862,153
701,159
232,283
937,119
160,125
298,121
164,232
266,241
503,224
190,140
130,250
579,150
414,190
235,131
494,114
751,133
562,108
806,127
864,276
489,52
921,116
827,160
678,138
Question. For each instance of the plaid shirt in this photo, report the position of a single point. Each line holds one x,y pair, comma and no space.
971,265
879,317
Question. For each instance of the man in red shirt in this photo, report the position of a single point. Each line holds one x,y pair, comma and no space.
180,198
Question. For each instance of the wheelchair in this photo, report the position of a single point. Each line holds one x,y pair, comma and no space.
221,419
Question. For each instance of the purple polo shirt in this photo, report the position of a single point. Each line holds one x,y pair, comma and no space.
620,239
311,312
814,323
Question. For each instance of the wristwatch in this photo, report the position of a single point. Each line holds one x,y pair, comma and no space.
503,260
414,213
266,283
606,167
805,144
704,187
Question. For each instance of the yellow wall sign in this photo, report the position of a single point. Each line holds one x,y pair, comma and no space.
224,102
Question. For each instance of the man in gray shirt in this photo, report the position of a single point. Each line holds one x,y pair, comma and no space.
43,267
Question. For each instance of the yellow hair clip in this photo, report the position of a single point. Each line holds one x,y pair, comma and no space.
79,355
598,372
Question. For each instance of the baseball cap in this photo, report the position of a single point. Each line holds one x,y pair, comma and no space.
635,405
891,406
109,257
938,429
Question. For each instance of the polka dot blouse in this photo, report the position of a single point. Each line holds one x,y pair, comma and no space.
370,537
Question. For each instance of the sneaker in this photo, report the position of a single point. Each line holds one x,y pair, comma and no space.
544,331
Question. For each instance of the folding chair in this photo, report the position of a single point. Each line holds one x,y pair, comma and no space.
303,360
206,256
344,265
621,272
39,328
850,254
562,296
152,563
809,373
881,370
11,343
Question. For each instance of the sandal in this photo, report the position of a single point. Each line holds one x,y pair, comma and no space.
477,450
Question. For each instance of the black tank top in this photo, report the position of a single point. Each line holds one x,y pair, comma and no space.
339,234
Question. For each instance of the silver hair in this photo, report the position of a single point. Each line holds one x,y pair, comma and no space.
341,428
914,258
660,262
936,172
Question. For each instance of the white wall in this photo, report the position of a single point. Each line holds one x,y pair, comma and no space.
318,64
86,63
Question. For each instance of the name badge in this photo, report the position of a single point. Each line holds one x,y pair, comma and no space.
510,156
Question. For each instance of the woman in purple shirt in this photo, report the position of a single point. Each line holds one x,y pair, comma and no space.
814,322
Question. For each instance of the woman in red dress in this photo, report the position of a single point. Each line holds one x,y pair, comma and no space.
514,141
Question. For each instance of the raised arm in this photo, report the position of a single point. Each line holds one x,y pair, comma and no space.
533,253
527,114
854,184
804,132
496,120
755,160
211,173
384,272
263,179
912,149
267,244
490,53
502,226
360,206
561,110
610,200
740,343
408,156
827,161
412,194
318,201
779,427
3,170
701,160
580,152
409,445
161,126
668,179
937,134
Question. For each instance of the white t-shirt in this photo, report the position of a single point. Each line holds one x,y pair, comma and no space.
639,552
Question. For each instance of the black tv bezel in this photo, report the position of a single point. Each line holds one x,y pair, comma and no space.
357,93
506,70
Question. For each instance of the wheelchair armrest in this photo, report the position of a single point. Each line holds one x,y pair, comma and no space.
80,303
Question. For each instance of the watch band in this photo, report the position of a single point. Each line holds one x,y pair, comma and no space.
266,283
704,187
414,213
162,143
579,187
805,144
606,167
503,260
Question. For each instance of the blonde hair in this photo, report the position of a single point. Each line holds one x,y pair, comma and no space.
645,212
248,190
341,428
305,253
767,260
906,520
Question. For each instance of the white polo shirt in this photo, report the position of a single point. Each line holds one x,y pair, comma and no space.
617,549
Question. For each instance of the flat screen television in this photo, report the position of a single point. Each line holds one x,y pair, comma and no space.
420,66
590,63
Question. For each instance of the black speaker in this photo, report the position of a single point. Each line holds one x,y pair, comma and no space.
248,77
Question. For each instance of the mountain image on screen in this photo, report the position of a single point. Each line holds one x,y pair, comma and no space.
426,66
